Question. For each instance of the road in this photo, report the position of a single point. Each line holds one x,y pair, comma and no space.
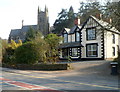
58,81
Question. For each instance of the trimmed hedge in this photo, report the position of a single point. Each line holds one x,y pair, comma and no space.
39,66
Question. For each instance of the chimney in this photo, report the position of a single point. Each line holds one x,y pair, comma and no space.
110,21
99,16
22,22
77,21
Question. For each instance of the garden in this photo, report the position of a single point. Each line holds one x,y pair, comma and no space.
37,52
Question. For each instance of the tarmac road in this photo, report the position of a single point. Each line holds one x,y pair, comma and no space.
85,77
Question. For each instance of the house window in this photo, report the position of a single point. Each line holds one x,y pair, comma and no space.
74,52
118,48
113,51
65,38
91,50
72,37
91,34
77,36
113,38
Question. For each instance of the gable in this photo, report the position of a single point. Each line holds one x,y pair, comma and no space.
90,22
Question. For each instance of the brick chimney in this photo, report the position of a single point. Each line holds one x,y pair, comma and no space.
99,16
77,21
110,21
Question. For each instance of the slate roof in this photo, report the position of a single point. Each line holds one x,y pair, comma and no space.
70,31
73,44
21,33
73,29
27,27
105,25
15,32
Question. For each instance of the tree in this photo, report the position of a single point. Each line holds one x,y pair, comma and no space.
65,19
112,11
53,40
30,34
87,9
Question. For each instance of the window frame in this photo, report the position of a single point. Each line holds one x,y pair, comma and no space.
113,51
76,36
113,38
66,38
87,29
87,55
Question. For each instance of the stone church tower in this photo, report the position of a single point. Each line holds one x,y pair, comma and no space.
43,21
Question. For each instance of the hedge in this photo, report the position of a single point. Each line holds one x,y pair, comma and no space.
39,66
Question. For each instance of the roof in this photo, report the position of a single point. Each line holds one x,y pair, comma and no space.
73,44
67,30
27,27
105,25
15,32
72,30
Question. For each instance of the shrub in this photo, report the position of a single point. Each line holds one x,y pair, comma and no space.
27,54
8,51
8,56
53,41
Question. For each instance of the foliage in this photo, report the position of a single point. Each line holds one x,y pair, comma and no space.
53,41
31,34
87,9
65,19
112,11
42,47
27,53
32,52
8,51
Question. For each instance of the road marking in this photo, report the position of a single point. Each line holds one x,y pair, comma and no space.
71,82
28,85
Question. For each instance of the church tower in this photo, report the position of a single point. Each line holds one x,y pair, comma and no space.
43,21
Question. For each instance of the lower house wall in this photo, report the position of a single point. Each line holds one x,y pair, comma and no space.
108,46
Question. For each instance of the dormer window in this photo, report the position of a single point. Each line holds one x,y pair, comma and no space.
77,36
65,38
91,34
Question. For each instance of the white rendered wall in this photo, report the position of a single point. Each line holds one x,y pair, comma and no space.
109,44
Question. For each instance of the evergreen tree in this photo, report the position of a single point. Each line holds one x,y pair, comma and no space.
65,19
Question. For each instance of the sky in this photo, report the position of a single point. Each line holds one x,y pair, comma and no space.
12,12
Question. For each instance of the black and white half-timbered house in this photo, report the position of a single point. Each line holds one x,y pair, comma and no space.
95,39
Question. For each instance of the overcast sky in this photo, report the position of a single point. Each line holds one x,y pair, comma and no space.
12,12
